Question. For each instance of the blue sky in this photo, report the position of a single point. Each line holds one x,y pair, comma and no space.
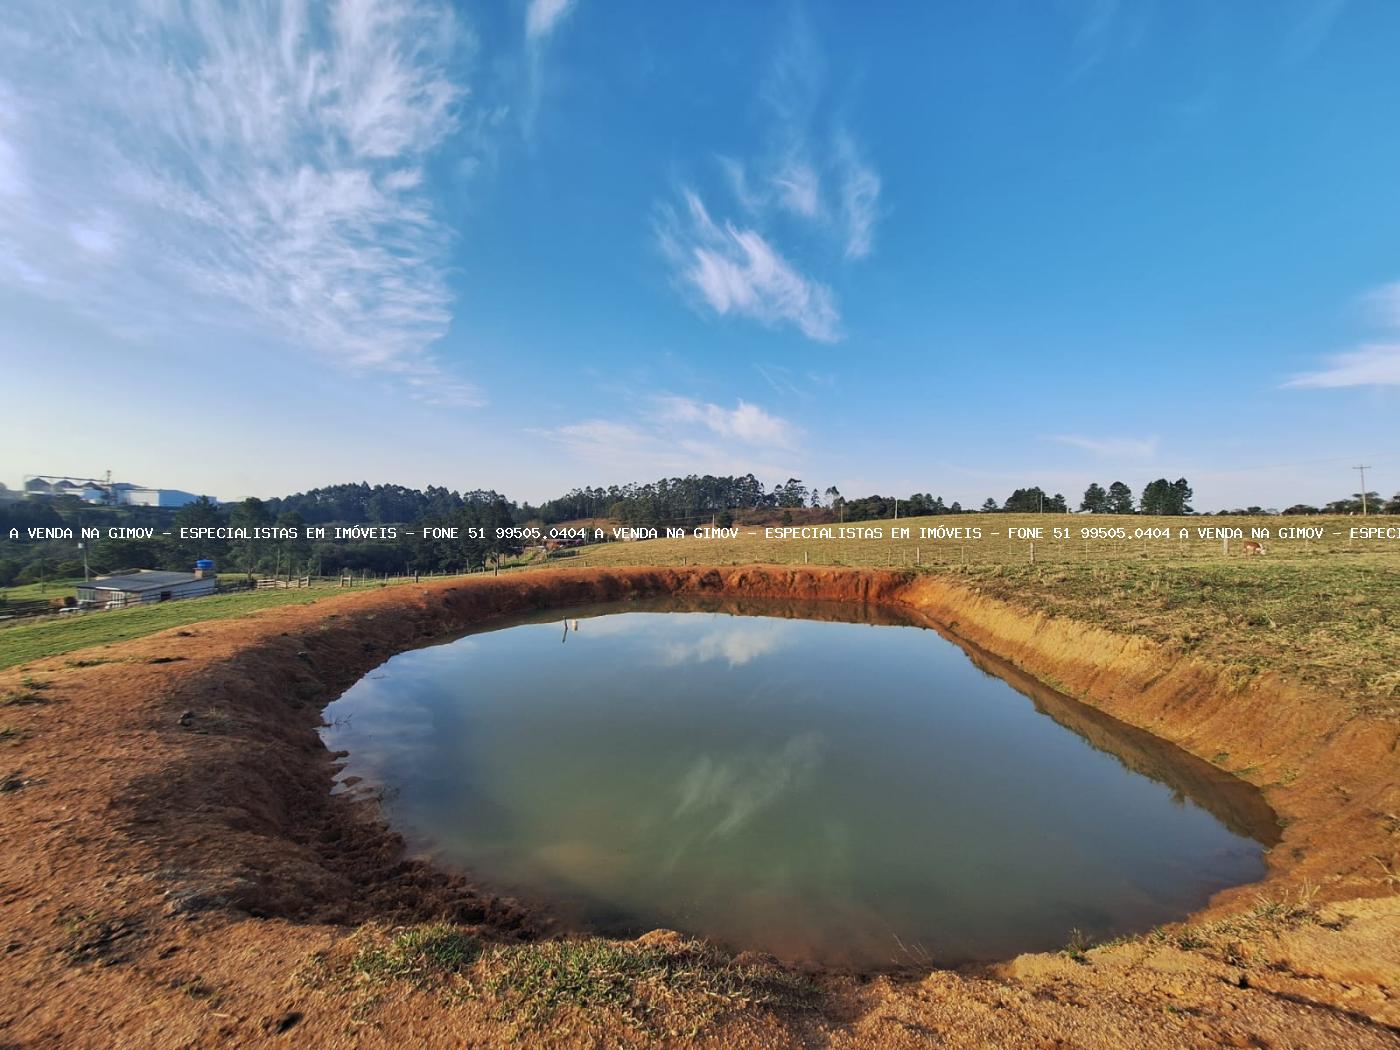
957,248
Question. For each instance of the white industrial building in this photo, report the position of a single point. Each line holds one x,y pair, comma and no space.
106,493
140,497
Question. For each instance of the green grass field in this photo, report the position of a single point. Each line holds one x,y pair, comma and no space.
28,592
24,641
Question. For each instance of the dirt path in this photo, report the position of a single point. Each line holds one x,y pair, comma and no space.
174,871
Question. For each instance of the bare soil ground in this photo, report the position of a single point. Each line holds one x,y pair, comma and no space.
175,872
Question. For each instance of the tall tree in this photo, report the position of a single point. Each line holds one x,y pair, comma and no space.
250,514
1166,497
1027,501
1120,498
202,513
1180,498
296,551
1156,497
792,494
1095,499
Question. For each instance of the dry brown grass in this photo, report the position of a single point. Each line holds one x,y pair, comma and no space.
1325,612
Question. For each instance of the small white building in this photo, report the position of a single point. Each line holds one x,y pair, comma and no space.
145,585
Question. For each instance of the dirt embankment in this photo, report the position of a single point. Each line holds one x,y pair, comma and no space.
170,855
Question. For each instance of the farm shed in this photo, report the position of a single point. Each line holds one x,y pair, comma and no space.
145,585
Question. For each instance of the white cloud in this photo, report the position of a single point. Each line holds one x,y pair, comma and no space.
97,237
541,16
747,423
255,167
735,646
737,175
681,435
721,796
808,184
860,197
11,179
736,271
1383,305
817,175
789,383
1373,364
799,189
628,451
1096,19
1110,447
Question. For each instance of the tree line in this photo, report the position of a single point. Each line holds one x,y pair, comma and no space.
1160,497
676,501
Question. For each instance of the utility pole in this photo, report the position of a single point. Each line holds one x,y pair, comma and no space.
1363,468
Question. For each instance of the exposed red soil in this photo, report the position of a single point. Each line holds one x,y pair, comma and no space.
171,856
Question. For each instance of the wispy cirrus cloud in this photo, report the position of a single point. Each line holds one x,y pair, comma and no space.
1382,305
812,166
1104,29
1091,39
789,383
859,190
1372,363
542,20
541,16
809,184
1109,447
254,168
735,270
718,797
605,441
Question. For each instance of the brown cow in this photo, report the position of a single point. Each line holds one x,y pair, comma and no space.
1253,547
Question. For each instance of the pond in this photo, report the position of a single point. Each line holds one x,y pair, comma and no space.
832,784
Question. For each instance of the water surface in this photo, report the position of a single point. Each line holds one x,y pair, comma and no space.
829,790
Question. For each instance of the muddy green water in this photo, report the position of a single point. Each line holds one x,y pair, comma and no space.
851,789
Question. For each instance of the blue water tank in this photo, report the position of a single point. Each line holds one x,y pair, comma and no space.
204,563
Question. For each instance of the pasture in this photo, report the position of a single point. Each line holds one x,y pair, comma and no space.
1321,610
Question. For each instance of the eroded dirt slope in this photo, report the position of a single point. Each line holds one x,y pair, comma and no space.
173,867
